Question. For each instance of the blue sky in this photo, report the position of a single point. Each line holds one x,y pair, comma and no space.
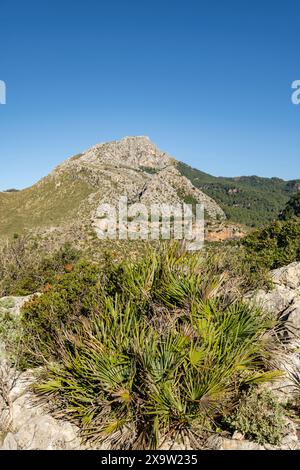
208,82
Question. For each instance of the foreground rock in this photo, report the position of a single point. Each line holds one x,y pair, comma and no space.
11,305
283,301
284,298
25,424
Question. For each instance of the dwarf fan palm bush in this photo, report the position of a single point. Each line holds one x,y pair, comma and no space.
162,356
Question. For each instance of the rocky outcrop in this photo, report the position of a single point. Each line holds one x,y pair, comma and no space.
219,232
135,167
26,424
11,305
283,301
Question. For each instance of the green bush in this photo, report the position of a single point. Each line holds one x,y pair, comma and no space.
169,276
153,349
251,200
234,261
73,295
292,208
10,329
274,246
260,417
26,267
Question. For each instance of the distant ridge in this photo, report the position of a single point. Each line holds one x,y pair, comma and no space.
250,200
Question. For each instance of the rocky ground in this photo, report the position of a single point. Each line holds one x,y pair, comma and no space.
27,424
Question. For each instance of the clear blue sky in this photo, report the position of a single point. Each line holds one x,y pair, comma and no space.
208,81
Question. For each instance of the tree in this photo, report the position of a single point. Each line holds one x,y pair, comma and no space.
292,209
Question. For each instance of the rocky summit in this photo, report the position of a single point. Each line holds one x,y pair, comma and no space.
67,198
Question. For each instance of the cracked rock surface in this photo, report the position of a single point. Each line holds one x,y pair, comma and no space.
283,301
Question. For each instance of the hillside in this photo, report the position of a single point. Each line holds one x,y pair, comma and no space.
65,201
63,204
249,200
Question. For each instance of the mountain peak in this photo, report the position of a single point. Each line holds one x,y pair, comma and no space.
137,138
67,199
132,151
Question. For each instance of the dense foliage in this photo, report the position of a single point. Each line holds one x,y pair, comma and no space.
274,246
149,350
26,268
252,200
292,208
259,416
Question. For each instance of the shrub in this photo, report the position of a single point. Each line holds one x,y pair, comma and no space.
153,350
166,278
75,294
274,246
292,208
10,330
25,266
241,269
260,417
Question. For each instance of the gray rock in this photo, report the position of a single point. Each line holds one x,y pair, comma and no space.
283,301
25,423
288,276
10,310
223,443
11,305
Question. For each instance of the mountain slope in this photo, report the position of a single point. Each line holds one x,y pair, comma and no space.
66,199
249,200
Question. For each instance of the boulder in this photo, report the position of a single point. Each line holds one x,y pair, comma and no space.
25,424
11,305
283,301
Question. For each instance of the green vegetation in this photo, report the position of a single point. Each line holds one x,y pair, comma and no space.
72,296
259,416
138,352
252,200
10,329
26,267
6,303
42,205
274,246
150,170
277,244
292,209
